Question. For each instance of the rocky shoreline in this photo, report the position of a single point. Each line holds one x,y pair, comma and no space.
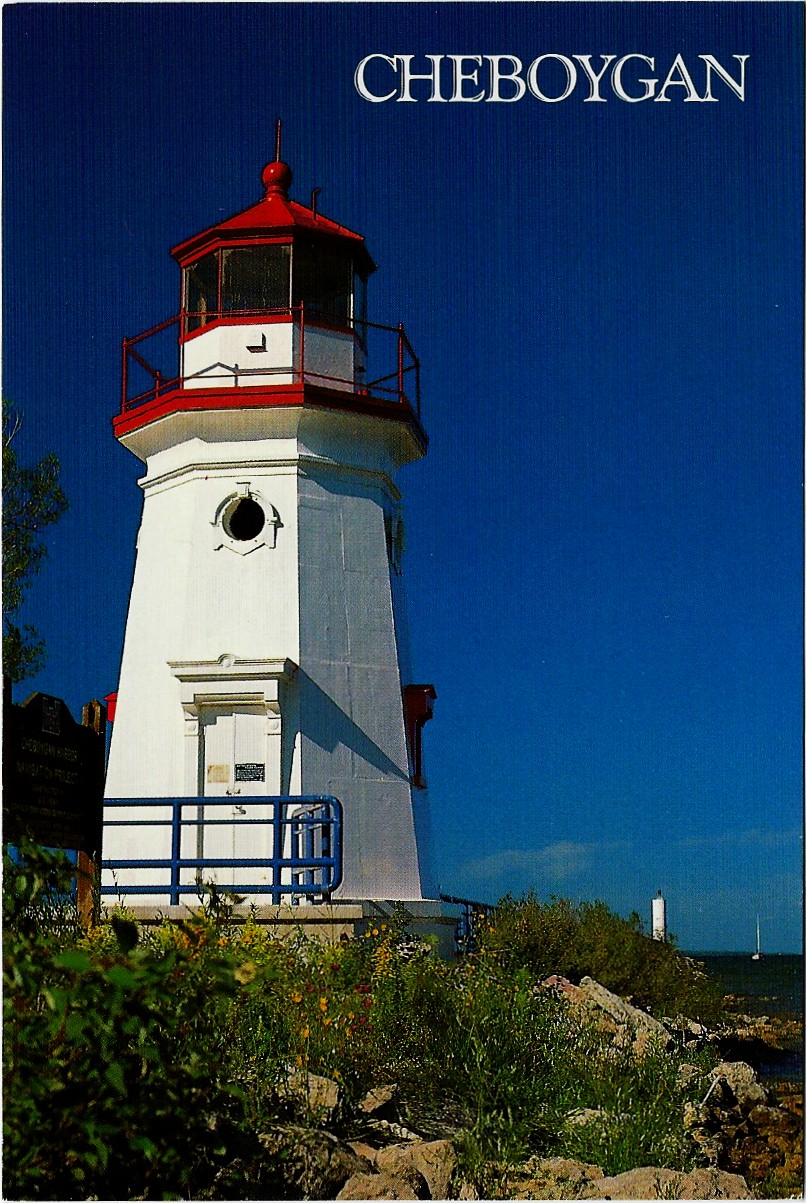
747,1137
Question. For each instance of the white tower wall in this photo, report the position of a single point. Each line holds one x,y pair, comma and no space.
282,652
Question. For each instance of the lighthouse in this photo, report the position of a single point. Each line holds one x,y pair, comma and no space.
266,648
659,917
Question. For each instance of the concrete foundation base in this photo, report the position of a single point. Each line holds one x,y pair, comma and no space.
330,921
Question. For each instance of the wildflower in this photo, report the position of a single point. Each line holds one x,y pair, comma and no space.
296,997
305,1033
327,1021
335,966
383,927
350,1015
245,973
323,1004
375,931
367,1002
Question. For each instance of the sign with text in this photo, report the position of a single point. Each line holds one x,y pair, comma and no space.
53,774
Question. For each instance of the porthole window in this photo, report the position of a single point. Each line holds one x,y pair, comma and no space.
243,519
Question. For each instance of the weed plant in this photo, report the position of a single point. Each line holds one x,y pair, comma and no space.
142,1064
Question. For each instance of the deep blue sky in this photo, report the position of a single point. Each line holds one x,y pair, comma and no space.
604,543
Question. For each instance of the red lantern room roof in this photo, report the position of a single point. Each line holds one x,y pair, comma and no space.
275,217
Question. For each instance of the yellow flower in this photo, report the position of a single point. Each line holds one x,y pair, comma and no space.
245,973
383,927
327,1021
375,931
305,1033
323,1004
296,997
350,1015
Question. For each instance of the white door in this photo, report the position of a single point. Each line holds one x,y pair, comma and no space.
233,765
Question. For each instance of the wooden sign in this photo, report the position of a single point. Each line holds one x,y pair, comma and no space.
53,774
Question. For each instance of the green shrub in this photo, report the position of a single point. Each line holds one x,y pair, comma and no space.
588,939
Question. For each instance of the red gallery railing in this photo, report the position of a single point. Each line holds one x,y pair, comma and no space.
400,385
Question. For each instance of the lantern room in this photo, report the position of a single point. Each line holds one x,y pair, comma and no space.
268,287
273,312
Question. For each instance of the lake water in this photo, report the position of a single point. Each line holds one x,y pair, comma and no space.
771,986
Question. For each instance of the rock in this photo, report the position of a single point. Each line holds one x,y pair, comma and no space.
714,1184
377,1098
741,1082
363,1150
648,1182
312,1163
622,1012
562,986
314,1092
651,1182
688,1075
584,1116
556,1178
385,1186
435,1160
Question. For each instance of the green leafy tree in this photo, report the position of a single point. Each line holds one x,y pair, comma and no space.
32,500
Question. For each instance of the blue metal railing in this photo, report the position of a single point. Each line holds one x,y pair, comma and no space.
466,937
306,842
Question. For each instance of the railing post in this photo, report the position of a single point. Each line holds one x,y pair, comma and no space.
277,849
400,362
125,376
176,849
157,384
301,342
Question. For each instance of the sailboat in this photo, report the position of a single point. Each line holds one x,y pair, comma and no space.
758,954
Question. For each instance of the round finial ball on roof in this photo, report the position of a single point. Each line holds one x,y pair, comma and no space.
277,177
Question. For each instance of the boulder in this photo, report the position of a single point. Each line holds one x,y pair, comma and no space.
434,1160
306,1162
651,1182
561,985
555,1178
736,1084
313,1092
377,1098
714,1184
384,1186
622,1012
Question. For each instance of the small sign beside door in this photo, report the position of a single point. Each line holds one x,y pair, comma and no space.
250,772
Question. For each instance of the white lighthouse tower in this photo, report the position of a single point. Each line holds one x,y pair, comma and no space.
265,651
659,917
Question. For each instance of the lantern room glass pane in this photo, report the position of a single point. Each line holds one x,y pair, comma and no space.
201,291
323,282
255,278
